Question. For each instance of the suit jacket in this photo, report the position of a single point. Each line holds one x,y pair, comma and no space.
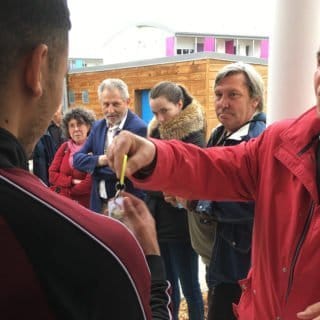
87,158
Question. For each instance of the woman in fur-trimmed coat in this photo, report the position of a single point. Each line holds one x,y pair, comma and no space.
176,116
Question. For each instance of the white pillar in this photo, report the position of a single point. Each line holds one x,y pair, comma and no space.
294,41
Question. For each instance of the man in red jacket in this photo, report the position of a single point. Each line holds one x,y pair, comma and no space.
58,259
277,170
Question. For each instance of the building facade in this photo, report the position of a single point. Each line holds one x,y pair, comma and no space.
196,71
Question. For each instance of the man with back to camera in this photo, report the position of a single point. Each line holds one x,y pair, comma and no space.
280,171
114,100
58,260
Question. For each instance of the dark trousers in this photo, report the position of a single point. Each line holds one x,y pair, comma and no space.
181,263
220,300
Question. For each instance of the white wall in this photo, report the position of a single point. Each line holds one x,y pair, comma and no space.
135,43
185,43
220,46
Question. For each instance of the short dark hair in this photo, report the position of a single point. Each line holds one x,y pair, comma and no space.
173,92
24,24
82,115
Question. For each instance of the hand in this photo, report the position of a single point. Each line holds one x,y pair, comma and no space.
139,220
102,160
140,151
312,312
170,199
183,202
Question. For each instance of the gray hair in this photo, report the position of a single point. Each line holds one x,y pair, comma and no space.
81,115
112,84
254,80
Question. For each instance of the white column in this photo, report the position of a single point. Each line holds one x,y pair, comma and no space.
293,44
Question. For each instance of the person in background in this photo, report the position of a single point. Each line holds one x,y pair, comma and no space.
238,92
63,177
279,170
177,115
47,146
58,259
114,100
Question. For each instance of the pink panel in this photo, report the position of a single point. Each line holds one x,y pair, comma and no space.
264,49
209,44
170,46
229,46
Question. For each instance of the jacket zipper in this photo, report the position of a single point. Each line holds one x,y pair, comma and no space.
298,248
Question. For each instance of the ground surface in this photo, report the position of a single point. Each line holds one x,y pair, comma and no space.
183,313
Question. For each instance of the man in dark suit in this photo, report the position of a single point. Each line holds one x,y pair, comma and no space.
114,99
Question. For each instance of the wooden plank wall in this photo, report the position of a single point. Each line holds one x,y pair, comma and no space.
197,75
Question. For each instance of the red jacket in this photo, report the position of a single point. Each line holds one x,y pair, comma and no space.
61,175
278,171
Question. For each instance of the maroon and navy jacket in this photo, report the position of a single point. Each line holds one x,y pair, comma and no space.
61,261
61,175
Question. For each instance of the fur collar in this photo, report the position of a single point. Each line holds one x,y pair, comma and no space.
190,119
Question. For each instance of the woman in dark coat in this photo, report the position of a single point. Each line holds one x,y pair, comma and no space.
177,115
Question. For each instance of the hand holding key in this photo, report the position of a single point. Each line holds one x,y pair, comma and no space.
141,152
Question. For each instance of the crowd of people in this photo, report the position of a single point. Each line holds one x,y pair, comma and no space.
246,201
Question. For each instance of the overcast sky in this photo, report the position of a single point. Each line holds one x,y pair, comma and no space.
95,21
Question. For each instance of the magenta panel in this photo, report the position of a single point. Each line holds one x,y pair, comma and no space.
170,46
209,44
264,48
229,46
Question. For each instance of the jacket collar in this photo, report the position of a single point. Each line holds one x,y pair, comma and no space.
297,149
11,152
243,131
302,130
190,119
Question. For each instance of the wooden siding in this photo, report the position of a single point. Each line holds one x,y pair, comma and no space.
197,75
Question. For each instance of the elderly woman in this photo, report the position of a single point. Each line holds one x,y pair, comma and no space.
63,177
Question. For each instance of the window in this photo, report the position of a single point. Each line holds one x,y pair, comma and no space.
185,51
200,47
85,97
247,50
71,97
